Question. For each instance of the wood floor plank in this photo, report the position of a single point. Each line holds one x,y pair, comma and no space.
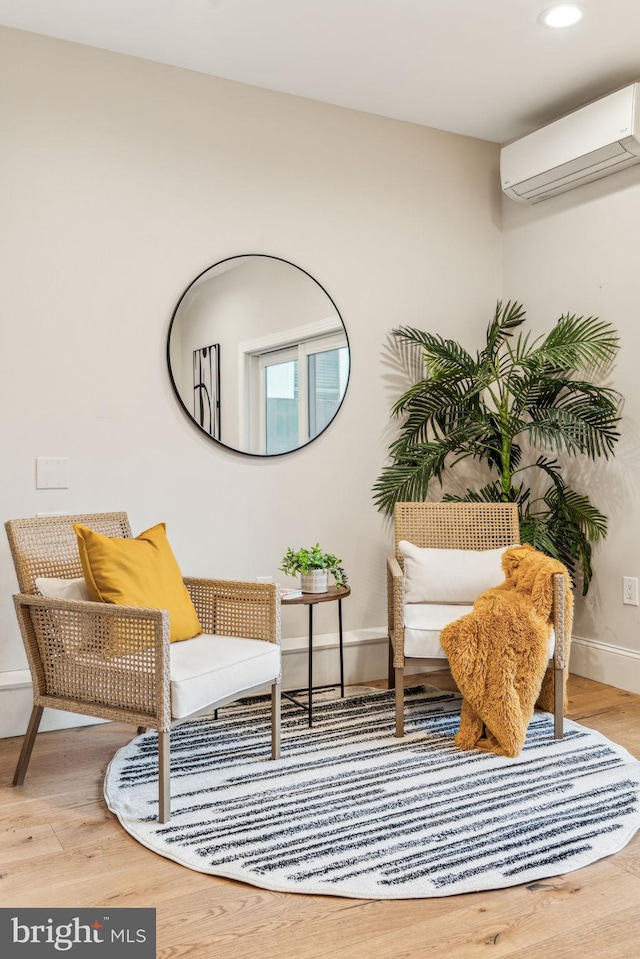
614,936
17,877
87,832
258,919
27,842
462,926
629,858
164,885
79,856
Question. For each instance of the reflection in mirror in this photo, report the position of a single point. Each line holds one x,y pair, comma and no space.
258,355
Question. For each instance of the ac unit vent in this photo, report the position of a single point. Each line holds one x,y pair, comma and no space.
593,142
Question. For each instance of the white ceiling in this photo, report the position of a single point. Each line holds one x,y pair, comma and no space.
483,68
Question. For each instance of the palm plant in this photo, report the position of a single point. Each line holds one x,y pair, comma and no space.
521,398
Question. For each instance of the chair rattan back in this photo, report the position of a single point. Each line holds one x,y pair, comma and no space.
48,546
456,525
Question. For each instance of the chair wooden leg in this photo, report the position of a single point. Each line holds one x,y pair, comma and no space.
392,673
27,745
164,775
558,703
275,721
399,678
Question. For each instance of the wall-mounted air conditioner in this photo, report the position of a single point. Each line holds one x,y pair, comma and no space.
594,141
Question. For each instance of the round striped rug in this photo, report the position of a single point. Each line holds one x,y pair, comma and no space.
350,810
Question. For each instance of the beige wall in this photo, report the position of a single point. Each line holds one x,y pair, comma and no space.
121,180
579,253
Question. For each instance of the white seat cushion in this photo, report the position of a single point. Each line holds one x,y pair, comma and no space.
208,669
423,623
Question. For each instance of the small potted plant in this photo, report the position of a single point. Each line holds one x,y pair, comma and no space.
313,565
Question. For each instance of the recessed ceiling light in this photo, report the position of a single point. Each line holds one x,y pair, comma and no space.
562,15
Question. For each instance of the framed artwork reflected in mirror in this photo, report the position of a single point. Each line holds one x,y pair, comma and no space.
206,389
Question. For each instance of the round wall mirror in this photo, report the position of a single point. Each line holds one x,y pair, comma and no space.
258,355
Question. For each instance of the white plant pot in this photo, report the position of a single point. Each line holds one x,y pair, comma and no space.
314,582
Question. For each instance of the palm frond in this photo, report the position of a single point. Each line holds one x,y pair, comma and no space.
519,351
535,530
576,343
570,520
437,394
559,538
578,427
442,357
491,493
506,319
578,509
442,408
407,479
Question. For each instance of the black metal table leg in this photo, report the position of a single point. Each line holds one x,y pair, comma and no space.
341,649
310,664
310,600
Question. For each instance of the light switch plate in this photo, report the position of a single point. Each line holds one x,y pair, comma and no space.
52,472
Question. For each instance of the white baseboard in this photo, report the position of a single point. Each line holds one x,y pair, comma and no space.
606,663
16,703
365,659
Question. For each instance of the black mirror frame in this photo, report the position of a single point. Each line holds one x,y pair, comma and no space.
174,386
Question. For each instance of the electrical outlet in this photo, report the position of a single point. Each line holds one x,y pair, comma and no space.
630,590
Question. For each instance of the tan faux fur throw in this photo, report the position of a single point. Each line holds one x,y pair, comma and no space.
498,653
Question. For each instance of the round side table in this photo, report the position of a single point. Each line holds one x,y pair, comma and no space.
333,594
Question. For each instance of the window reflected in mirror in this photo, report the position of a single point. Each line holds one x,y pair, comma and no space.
279,370
280,388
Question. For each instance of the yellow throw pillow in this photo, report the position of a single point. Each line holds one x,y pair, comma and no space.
138,572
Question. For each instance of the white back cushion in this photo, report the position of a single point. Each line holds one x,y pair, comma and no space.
449,575
56,588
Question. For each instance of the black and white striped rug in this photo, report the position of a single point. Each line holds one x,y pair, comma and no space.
352,811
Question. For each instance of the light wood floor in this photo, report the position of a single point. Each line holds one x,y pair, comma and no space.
59,846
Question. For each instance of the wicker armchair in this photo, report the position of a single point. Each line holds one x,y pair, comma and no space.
150,682
476,526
